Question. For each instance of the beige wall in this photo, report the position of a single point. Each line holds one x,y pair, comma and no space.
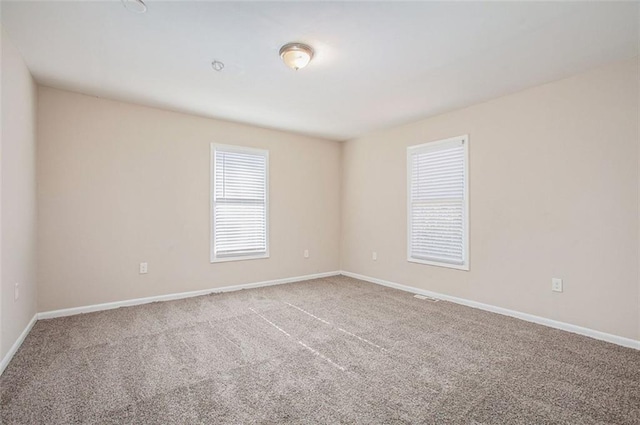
18,197
553,193
120,184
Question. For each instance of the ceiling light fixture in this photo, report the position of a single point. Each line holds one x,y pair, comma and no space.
296,55
135,6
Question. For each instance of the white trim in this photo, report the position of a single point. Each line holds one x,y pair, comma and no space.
246,257
177,296
464,141
464,267
16,345
434,144
212,246
614,339
603,336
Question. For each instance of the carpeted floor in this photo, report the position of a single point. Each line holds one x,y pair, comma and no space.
333,350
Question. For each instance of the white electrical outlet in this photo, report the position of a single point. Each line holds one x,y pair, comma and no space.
374,256
556,284
143,268
306,253
16,292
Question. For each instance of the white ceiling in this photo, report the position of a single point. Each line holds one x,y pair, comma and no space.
377,64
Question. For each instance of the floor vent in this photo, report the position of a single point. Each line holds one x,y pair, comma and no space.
424,297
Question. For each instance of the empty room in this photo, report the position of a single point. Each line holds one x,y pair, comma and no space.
317,212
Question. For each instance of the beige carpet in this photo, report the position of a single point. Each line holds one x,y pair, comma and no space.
333,350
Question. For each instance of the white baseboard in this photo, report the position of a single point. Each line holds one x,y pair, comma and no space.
615,339
177,296
14,348
626,342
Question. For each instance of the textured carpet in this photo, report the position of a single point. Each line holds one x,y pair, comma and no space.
333,350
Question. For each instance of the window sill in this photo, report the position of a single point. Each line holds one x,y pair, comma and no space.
242,258
463,267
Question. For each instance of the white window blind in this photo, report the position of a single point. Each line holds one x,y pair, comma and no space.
438,203
239,203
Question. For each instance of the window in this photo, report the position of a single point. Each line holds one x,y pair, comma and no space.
239,203
438,203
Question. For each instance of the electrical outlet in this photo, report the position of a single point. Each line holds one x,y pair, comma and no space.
374,256
306,253
143,268
556,284
16,292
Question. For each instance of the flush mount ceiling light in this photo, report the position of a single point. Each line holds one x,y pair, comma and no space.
296,55
135,6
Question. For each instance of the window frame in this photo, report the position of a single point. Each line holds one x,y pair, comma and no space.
212,238
465,242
